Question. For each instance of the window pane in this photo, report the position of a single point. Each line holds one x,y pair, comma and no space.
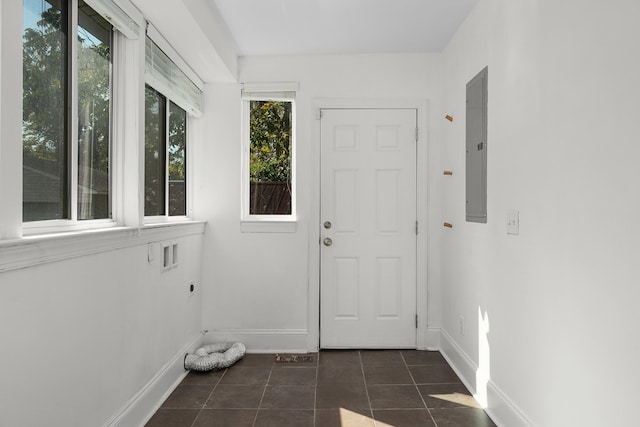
154,158
177,160
270,131
94,94
44,119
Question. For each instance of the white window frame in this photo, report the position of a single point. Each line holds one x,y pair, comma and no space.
155,219
167,73
126,152
284,92
73,223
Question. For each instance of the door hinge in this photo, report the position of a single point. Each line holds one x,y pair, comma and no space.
417,134
416,227
416,321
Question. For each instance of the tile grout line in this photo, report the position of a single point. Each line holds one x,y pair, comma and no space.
255,419
366,389
315,391
418,390
208,397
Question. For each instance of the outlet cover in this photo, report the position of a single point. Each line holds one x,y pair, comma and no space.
513,222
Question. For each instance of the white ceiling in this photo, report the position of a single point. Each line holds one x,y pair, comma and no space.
295,27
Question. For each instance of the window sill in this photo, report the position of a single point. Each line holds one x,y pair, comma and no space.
58,227
287,225
45,248
164,219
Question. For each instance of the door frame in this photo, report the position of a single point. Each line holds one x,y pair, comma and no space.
313,322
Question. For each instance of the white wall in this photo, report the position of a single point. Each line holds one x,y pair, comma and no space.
559,301
91,333
256,284
561,298
82,337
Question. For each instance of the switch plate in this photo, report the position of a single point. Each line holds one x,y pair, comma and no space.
513,222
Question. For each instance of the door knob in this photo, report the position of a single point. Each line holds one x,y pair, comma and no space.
327,242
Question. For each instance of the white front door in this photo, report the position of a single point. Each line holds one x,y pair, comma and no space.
368,228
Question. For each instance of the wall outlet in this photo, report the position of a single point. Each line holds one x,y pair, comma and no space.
174,255
462,325
150,255
513,222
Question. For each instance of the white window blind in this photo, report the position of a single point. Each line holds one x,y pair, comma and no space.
117,16
269,91
165,76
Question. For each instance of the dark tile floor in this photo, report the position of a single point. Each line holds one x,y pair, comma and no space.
337,388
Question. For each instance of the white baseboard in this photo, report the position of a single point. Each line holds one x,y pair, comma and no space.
464,366
263,340
500,408
147,401
503,410
433,339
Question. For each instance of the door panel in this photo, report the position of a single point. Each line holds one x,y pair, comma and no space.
346,288
345,194
368,213
388,287
387,191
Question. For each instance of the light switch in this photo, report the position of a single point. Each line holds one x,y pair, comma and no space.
513,222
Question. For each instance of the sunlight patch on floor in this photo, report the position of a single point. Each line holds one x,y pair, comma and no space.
457,398
350,418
